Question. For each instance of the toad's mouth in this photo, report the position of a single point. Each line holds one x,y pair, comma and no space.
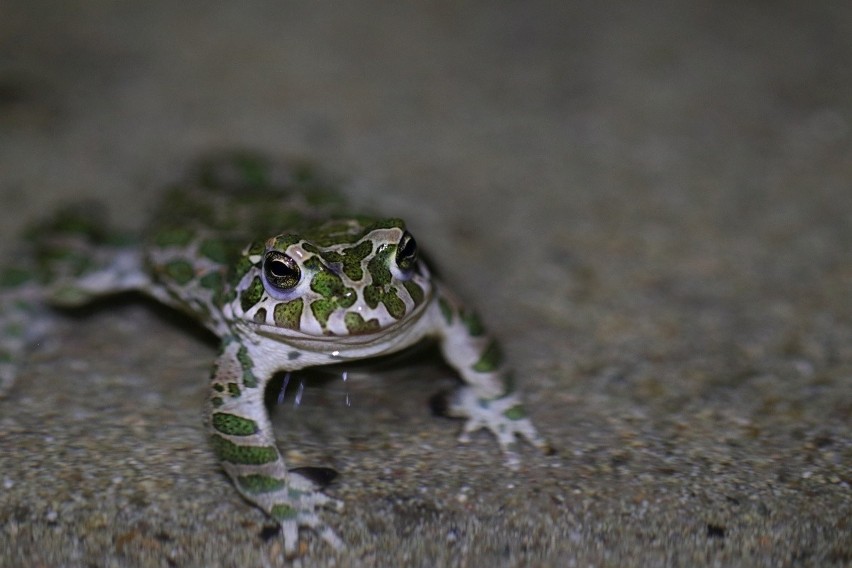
313,337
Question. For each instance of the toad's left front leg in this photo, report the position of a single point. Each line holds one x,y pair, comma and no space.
488,399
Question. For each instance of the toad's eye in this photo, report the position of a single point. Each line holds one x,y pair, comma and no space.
281,271
406,252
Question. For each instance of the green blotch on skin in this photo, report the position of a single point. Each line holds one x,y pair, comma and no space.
260,316
282,242
233,425
393,303
173,237
347,299
415,291
446,310
216,401
180,271
313,264
215,282
246,455
255,249
375,294
327,284
249,380
253,169
378,265
180,205
56,262
473,323
24,306
356,324
515,413
241,267
351,259
335,232
218,387
289,314
215,250
354,256
283,512
372,295
233,390
259,483
76,219
491,358
251,295
14,330
330,287
322,310
212,281
14,277
381,289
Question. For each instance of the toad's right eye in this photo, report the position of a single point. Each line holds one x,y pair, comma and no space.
281,271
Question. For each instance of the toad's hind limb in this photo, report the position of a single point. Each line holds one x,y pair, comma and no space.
65,262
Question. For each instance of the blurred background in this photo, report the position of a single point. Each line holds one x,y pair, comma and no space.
649,202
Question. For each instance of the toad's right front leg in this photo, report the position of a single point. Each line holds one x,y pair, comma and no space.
242,437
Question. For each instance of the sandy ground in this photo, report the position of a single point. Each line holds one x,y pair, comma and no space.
650,203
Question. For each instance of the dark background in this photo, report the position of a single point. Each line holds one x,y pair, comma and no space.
649,203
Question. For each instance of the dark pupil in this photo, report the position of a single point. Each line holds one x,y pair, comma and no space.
407,253
281,270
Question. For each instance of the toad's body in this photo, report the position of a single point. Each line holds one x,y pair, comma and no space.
266,260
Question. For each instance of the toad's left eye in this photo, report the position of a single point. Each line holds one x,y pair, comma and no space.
406,252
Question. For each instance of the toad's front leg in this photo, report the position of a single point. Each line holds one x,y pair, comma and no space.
242,437
488,399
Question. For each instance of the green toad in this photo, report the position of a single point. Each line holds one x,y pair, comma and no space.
265,258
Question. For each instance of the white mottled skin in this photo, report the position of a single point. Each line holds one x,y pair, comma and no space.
317,265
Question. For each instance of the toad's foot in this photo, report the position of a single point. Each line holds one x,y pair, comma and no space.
290,499
505,417
296,506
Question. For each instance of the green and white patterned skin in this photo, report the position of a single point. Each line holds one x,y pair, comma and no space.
266,258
